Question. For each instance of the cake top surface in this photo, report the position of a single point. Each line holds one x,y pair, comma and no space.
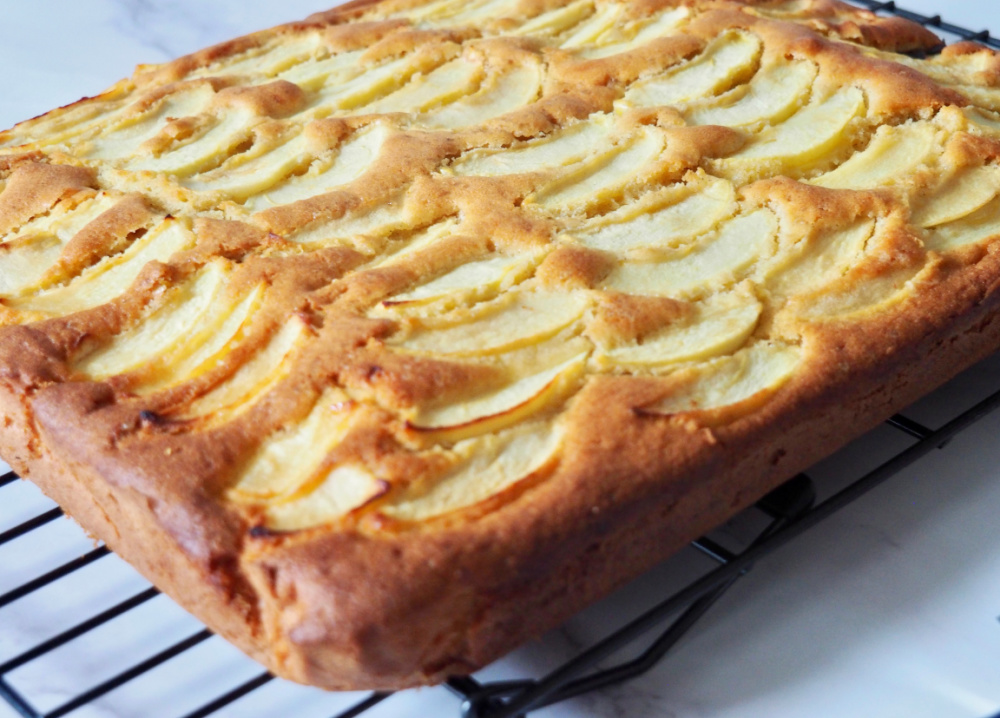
382,268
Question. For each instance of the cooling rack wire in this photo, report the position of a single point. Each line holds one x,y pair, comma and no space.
776,520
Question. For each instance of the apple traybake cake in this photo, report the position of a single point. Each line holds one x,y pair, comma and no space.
386,340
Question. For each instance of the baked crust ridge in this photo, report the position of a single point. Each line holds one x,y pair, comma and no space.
382,371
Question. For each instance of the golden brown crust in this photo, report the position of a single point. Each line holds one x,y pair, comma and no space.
312,287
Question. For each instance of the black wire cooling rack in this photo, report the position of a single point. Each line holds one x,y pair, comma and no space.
789,511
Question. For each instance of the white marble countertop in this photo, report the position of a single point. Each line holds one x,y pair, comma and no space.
891,608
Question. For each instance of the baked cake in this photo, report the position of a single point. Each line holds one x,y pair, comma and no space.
386,340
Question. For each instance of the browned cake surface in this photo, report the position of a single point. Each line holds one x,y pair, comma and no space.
386,340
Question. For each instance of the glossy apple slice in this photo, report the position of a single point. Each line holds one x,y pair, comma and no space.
561,149
604,177
161,333
498,94
977,227
209,149
344,489
213,340
968,192
445,84
496,411
754,373
686,213
351,161
606,17
515,321
339,95
718,261
719,326
418,242
473,12
485,467
238,180
432,12
558,20
773,95
27,254
314,74
812,133
123,139
352,229
112,276
264,63
660,25
254,379
468,283
25,261
986,121
821,260
64,220
893,154
728,59
65,125
293,457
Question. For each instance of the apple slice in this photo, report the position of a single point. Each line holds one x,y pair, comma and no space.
558,20
729,59
604,177
419,241
894,154
498,94
211,148
112,276
343,490
254,379
64,220
975,228
123,139
470,12
238,180
587,32
264,63
347,164
821,260
352,229
719,261
312,75
687,212
561,149
968,192
65,125
161,333
485,467
217,335
29,253
514,321
25,261
773,95
812,133
292,458
720,325
659,26
432,12
753,373
496,411
469,283
373,83
984,120
445,84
